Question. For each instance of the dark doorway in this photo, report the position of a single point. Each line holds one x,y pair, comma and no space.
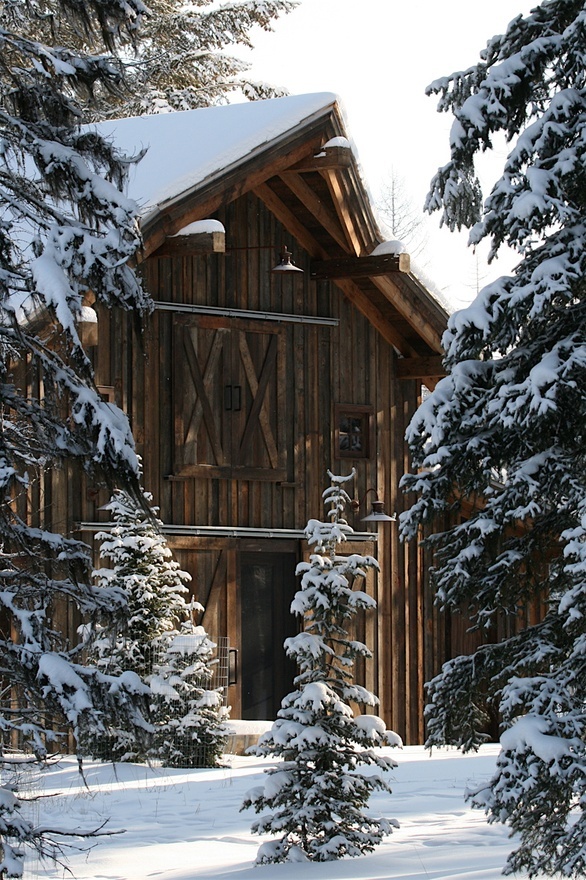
267,586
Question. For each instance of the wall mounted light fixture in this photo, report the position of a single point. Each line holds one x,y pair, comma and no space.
377,509
285,264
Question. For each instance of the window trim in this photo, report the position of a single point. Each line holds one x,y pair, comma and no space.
353,410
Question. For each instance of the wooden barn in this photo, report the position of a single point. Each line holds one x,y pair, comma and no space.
287,339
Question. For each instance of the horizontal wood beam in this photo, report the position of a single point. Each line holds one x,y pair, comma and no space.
361,267
192,245
268,475
328,158
421,367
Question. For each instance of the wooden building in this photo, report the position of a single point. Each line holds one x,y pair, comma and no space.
248,384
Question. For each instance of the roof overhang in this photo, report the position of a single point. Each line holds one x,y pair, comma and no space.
316,190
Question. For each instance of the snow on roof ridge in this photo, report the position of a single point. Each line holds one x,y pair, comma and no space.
188,147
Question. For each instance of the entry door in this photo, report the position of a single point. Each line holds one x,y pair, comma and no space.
267,587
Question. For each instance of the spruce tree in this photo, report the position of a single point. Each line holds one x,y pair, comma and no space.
317,795
183,63
65,229
506,429
144,571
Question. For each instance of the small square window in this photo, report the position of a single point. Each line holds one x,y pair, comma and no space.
107,393
353,431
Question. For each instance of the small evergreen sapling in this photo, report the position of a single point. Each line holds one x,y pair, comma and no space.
143,566
318,794
189,711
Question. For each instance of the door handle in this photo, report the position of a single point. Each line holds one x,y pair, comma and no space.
233,398
233,666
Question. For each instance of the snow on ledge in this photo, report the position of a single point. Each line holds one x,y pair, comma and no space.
338,141
393,246
199,227
88,315
240,727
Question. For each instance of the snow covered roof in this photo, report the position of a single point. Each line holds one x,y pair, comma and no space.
197,161
186,149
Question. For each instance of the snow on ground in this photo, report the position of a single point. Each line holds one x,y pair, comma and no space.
186,824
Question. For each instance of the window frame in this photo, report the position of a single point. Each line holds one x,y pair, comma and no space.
364,412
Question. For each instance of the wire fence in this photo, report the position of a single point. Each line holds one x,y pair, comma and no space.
190,745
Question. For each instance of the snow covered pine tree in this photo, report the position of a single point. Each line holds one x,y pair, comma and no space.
182,63
318,793
144,570
158,642
65,229
507,427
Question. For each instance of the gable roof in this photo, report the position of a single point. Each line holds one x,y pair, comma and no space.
294,154
187,150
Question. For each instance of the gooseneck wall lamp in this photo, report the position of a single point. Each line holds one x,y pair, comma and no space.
285,264
377,509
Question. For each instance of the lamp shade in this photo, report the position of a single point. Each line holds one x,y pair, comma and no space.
285,264
377,514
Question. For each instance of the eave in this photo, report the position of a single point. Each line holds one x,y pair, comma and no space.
320,199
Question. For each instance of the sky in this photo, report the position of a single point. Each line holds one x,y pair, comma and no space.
187,824
379,56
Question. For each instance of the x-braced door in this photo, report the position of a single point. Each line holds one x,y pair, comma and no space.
230,398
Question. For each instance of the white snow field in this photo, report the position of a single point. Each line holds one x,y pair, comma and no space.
187,824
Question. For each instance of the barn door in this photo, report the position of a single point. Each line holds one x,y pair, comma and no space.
201,355
229,388
267,586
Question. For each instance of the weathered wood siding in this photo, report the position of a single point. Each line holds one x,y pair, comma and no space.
316,367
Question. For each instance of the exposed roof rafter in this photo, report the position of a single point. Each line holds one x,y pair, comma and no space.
322,214
289,220
341,203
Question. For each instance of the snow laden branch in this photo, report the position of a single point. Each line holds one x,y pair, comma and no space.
184,60
50,844
318,793
504,432
67,234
